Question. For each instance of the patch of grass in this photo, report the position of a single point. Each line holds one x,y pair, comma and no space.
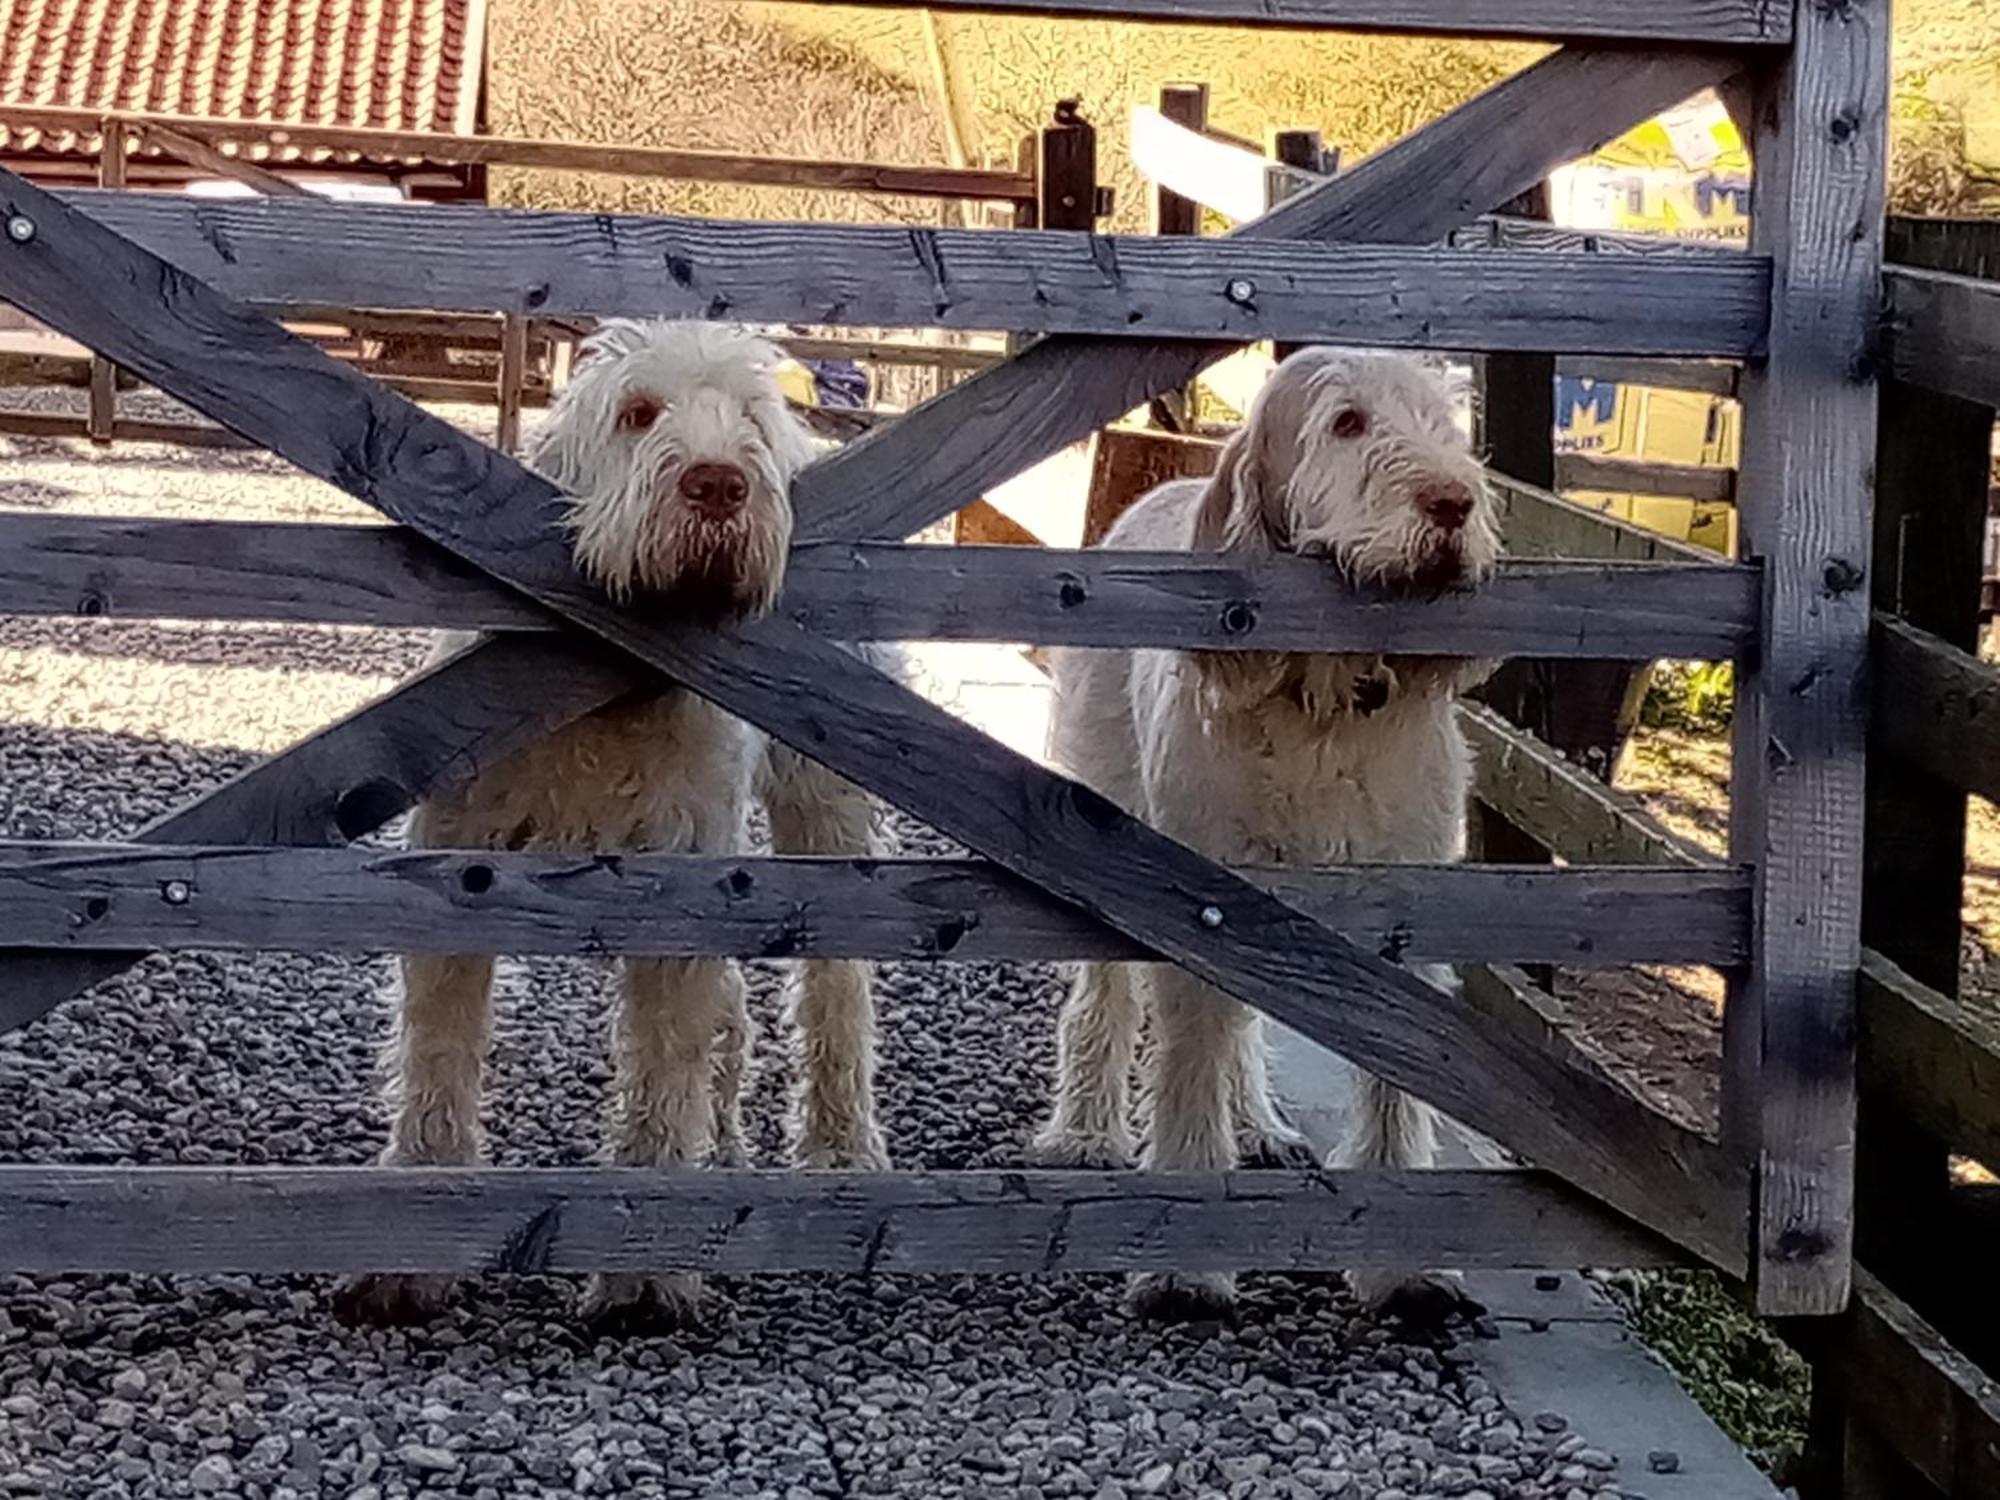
1753,1385
1696,696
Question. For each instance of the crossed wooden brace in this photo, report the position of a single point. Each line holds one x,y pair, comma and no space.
281,392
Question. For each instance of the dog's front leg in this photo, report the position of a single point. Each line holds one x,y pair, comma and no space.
1199,1031
670,1012
433,1072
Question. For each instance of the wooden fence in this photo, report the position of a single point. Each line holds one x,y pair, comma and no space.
507,359
1355,259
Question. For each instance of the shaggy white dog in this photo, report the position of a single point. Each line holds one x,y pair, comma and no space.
1262,758
677,450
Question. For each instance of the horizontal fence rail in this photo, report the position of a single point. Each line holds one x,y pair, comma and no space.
272,252
1936,707
284,139
192,1220
1944,332
1744,22
129,896
373,575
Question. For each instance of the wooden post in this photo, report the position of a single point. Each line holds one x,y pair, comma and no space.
103,416
1290,148
1809,421
513,375
1184,104
1068,177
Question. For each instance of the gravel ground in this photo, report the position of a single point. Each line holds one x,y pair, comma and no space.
937,1386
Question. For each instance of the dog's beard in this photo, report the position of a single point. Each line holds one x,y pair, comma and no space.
713,571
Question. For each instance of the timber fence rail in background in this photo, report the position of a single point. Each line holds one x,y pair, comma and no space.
1357,258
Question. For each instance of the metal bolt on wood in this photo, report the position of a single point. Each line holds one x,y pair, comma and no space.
1241,290
20,229
1211,916
175,892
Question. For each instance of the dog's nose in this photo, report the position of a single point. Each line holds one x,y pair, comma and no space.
1446,507
714,489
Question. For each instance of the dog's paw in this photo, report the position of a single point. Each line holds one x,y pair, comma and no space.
1081,1150
1174,1297
866,1153
391,1301
1282,1150
1426,1299
624,1305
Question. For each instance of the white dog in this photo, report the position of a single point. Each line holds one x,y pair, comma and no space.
1264,758
677,450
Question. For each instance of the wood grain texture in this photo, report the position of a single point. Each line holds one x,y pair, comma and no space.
623,161
1937,708
1561,806
371,575
118,896
357,774
480,1220
1809,410
1003,420
1962,245
1944,332
1540,524
1937,1060
456,258
251,374
1626,476
1743,22
1936,1409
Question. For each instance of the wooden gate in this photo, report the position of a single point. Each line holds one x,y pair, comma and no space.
170,288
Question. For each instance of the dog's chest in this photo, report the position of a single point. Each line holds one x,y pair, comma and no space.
669,773
1285,789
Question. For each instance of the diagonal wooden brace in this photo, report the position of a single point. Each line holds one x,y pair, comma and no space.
281,392
902,477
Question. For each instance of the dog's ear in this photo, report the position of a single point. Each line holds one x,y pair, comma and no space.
1238,508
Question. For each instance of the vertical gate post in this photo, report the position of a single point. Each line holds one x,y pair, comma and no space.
103,410
1819,142
1184,104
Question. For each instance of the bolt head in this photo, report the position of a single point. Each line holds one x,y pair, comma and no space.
1211,916
175,892
1241,290
20,228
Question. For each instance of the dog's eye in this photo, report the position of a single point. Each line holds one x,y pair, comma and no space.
1351,422
638,413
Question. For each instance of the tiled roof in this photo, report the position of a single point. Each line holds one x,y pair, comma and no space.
395,64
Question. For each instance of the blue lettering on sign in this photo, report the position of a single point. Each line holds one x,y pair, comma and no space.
1580,393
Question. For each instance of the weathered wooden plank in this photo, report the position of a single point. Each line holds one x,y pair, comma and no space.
1741,22
357,774
1003,420
1709,377
199,153
567,156
1935,1408
1932,454
838,709
1963,246
119,896
453,258
1944,332
372,575
1936,707
45,424
1626,476
476,1220
1564,808
1937,1060
1801,707
1537,523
